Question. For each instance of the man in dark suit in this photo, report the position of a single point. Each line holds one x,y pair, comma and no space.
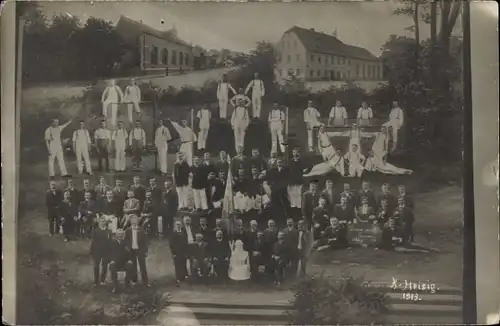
343,212
366,192
209,171
383,213
220,253
179,249
136,242
386,194
218,227
156,192
87,211
347,193
75,194
278,179
280,258
109,206
181,179
330,196
291,238
208,234
271,233
139,189
310,200
223,163
120,195
120,260
87,188
200,264
333,236
218,188
199,184
303,244
405,216
101,189
189,229
391,237
53,199
170,206
259,255
100,251
254,229
320,218
149,213
68,213
240,161
256,160
402,193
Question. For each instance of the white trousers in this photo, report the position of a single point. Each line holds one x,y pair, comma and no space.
200,199
82,152
256,105
57,153
183,193
223,107
277,136
310,139
187,150
114,111
135,105
120,158
202,138
162,158
295,196
239,136
355,170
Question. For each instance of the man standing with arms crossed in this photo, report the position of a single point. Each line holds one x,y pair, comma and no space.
162,136
81,145
258,91
223,95
311,119
276,120
103,144
54,147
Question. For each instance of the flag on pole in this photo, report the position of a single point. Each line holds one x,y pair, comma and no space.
228,201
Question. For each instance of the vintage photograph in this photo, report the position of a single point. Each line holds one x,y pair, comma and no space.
240,163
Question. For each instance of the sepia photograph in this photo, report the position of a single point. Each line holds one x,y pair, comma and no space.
241,163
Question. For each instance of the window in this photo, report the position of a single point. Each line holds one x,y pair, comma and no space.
338,60
312,57
297,72
288,58
294,44
357,70
319,58
338,75
311,73
363,75
181,58
164,57
297,57
333,60
326,73
290,72
349,61
319,73
154,55
186,59
348,74
378,73
174,57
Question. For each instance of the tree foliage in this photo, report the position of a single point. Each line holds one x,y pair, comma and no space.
321,301
62,48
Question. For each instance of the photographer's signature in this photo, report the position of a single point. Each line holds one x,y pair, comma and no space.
413,290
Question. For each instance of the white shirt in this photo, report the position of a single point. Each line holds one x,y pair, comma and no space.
338,112
396,114
135,244
112,94
53,134
299,246
354,158
240,97
186,134
276,115
102,133
257,87
324,139
365,113
81,137
204,115
189,234
311,116
223,90
162,136
120,137
137,134
133,93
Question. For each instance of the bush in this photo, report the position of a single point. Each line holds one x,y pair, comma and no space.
321,301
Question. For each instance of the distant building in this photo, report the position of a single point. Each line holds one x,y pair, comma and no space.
311,55
152,50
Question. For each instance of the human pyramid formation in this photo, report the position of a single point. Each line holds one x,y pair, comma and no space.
266,193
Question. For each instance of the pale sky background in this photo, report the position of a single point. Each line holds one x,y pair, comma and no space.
239,26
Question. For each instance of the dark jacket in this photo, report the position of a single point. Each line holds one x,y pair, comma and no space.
291,236
178,243
142,240
241,185
139,192
199,251
110,208
156,193
391,201
119,253
282,250
257,162
309,202
366,194
67,209
271,235
93,194
239,162
278,180
341,214
76,195
331,199
220,250
181,173
296,172
200,180
320,216
52,200
101,242
222,166
170,200
219,189
85,207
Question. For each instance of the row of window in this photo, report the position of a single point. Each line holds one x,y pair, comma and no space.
337,75
321,59
180,57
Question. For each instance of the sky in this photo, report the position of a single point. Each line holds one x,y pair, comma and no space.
239,26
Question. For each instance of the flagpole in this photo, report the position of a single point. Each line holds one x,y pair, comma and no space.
192,127
287,148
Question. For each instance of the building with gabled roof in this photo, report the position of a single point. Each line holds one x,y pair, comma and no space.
153,50
311,55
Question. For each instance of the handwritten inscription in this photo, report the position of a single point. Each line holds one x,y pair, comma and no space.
413,291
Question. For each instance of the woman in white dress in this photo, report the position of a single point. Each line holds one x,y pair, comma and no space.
239,264
381,144
375,164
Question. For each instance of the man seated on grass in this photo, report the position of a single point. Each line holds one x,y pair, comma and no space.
333,236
